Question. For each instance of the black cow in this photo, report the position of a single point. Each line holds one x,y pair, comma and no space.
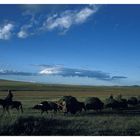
46,106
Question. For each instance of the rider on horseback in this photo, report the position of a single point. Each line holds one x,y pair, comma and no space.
9,96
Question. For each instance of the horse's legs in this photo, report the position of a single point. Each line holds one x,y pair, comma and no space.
3,111
7,109
21,108
17,108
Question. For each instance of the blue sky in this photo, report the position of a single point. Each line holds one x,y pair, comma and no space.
70,44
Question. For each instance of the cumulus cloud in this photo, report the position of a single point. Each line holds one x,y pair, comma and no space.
36,22
72,72
6,31
22,34
83,14
24,30
66,19
29,27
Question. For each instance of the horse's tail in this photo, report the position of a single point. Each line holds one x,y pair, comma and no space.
21,108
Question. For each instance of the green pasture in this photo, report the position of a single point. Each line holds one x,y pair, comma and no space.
31,122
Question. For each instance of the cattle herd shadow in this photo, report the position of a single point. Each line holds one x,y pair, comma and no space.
108,112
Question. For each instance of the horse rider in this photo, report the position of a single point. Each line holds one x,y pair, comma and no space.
9,97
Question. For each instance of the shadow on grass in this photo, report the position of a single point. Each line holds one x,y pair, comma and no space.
88,123
40,126
43,126
111,112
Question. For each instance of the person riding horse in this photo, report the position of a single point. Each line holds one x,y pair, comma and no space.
9,97
8,102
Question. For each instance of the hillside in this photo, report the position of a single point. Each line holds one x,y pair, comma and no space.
26,86
18,85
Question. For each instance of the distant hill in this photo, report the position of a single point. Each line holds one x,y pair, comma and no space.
19,86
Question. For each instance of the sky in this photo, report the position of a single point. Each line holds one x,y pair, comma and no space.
70,44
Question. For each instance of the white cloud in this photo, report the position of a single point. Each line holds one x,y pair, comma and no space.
72,72
68,18
65,21
22,34
36,23
28,28
81,16
49,71
6,31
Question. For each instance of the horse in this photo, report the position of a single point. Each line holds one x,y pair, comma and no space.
3,103
17,105
13,104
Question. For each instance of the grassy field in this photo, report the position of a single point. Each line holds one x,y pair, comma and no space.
86,123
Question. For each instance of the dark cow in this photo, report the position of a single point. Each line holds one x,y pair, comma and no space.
71,105
46,106
94,103
132,101
117,104
81,106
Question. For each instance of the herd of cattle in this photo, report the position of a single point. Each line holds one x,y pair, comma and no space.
69,104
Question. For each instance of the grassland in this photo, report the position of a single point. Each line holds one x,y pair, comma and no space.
86,123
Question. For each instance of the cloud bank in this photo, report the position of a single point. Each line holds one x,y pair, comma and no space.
18,73
73,72
58,70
